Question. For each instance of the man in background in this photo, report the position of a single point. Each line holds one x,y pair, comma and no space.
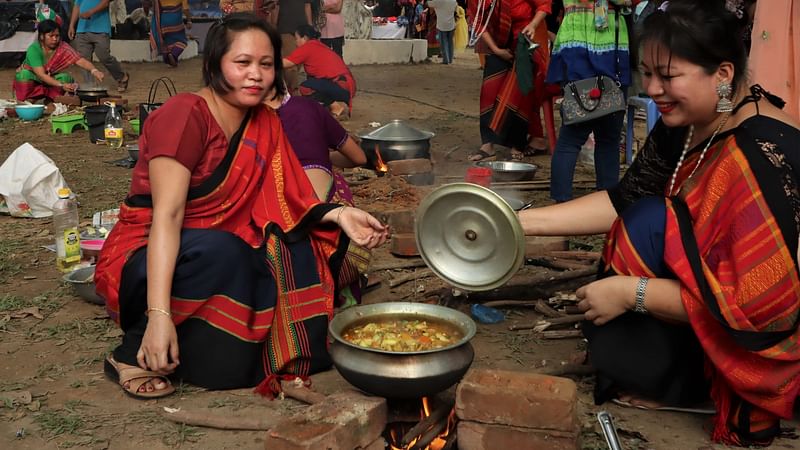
90,32
291,14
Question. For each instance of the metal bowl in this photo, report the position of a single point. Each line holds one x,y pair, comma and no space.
133,151
82,280
503,171
407,374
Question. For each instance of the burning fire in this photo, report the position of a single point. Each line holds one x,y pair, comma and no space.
379,164
438,443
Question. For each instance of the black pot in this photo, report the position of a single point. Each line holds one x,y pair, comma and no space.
396,150
91,95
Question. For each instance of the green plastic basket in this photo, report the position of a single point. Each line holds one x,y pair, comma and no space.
135,125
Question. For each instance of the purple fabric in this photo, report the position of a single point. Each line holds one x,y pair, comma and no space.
311,130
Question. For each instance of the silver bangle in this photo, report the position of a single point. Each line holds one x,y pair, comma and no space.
641,287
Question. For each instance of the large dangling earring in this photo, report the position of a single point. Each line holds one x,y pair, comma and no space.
724,92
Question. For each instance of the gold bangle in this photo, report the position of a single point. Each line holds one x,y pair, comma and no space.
340,214
159,310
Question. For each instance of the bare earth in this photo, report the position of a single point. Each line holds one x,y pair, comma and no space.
57,359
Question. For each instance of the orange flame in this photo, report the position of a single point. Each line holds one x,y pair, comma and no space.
438,443
379,164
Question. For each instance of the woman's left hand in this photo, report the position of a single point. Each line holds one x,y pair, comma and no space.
98,74
604,300
361,227
529,30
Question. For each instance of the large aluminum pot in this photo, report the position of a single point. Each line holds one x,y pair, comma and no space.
396,141
407,374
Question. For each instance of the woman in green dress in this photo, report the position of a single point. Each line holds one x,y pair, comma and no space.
41,73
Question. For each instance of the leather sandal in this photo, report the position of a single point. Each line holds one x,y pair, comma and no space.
135,377
122,85
481,155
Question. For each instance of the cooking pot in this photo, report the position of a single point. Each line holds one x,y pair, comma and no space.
91,94
396,141
401,374
504,171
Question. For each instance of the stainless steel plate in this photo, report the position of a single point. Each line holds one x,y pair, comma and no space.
469,236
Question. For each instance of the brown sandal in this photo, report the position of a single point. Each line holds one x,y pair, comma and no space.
135,377
122,85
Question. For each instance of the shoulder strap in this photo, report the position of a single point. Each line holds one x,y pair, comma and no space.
616,45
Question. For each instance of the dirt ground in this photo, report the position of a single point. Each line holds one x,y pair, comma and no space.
57,357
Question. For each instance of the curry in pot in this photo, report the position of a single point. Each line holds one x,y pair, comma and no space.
402,334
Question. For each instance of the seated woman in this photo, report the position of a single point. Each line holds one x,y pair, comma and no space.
321,143
700,296
40,75
328,80
222,268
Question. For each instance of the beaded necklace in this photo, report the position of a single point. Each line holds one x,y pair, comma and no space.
689,136
478,28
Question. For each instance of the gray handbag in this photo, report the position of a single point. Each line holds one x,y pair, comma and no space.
594,97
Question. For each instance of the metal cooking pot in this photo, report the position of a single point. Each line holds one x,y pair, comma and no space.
396,141
407,374
91,94
510,170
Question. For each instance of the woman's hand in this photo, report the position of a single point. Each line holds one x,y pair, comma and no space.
504,54
98,74
360,226
70,87
604,300
159,345
530,29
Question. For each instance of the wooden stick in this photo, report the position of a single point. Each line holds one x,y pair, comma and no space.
543,308
555,263
430,435
574,254
436,416
450,442
501,303
572,318
397,281
397,264
301,393
571,309
561,334
264,420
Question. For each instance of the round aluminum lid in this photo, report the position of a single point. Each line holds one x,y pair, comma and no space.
397,131
469,236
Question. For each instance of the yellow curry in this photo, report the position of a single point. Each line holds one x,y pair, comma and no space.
402,335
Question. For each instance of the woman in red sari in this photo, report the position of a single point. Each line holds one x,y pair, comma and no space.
221,270
42,72
510,73
700,294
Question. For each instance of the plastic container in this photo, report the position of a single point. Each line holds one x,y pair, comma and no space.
135,125
479,175
112,132
65,229
90,250
29,112
486,314
96,120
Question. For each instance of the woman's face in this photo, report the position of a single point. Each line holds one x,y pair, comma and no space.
684,93
249,67
51,39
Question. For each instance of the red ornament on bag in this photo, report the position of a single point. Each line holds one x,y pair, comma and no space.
594,94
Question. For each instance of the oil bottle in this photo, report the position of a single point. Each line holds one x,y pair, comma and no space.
65,229
113,130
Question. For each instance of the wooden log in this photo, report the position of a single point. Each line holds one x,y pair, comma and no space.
437,415
264,420
430,435
557,263
542,325
575,254
405,263
397,281
526,285
512,303
452,438
561,334
543,308
300,392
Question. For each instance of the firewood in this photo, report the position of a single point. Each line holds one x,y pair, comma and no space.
502,303
397,264
542,325
561,334
450,442
300,392
397,281
262,421
575,254
436,416
556,263
430,435
545,309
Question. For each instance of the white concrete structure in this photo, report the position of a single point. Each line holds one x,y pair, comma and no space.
372,51
139,51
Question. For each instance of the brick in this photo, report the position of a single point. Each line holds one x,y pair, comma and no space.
409,166
343,421
537,246
520,399
404,244
378,444
69,100
481,436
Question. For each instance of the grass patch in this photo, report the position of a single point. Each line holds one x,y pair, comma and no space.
92,330
57,422
9,302
226,402
181,435
8,253
47,302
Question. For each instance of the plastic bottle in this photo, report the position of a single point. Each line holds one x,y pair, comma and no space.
113,130
65,229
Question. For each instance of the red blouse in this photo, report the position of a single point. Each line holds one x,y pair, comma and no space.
183,129
319,61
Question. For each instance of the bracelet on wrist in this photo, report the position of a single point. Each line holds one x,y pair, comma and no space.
160,311
641,288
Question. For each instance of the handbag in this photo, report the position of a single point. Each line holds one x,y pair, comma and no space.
146,108
594,97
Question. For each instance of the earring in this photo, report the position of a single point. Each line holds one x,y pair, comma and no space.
724,91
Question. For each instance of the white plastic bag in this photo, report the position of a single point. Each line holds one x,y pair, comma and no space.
29,181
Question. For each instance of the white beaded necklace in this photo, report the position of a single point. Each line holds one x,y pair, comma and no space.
689,136
477,29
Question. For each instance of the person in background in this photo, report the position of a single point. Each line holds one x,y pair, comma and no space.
699,297
90,33
322,145
505,111
328,80
332,34
170,20
445,25
41,74
290,15
775,50
221,270
461,33
586,47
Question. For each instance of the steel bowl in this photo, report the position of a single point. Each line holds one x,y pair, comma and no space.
401,374
504,171
133,151
82,281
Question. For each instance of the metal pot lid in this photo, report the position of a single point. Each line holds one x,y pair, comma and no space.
469,236
397,130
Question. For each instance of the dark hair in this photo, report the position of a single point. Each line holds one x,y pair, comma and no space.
307,31
218,42
47,26
704,33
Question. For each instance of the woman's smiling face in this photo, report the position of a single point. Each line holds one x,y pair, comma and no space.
249,68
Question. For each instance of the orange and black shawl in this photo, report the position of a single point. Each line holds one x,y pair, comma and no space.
261,194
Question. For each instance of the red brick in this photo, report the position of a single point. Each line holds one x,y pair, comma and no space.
520,399
378,444
404,244
481,436
409,166
343,421
537,246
